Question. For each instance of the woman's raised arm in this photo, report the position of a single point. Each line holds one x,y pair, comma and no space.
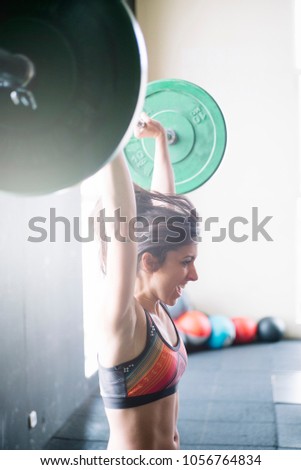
121,259
163,176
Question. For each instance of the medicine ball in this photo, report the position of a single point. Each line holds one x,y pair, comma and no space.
195,325
270,329
223,332
245,329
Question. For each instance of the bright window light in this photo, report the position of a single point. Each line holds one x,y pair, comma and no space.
299,131
92,280
298,65
298,299
298,33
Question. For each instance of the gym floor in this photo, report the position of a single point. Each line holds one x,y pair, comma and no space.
241,397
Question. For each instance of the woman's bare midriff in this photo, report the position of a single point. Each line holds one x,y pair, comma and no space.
151,426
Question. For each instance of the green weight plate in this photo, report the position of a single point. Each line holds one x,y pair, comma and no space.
198,124
89,57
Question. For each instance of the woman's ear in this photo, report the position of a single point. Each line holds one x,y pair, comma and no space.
149,262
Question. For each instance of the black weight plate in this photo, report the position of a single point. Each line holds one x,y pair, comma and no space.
89,57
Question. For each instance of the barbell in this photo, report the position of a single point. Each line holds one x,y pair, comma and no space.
196,134
73,83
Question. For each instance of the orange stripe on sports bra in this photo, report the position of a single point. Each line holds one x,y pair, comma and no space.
153,374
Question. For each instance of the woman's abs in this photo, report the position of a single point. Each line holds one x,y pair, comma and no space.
151,426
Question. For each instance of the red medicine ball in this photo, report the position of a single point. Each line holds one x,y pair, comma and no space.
246,330
195,325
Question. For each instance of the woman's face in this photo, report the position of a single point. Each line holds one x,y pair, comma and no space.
172,276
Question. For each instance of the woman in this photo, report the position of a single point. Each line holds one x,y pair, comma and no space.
141,356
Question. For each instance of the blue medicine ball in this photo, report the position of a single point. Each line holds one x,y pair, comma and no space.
223,332
181,306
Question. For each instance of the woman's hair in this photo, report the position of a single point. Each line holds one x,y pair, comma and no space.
164,222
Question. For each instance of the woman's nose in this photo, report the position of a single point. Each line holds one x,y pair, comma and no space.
193,275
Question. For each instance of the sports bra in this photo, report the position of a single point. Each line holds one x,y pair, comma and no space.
152,375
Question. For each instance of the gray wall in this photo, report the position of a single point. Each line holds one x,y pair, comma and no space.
41,325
